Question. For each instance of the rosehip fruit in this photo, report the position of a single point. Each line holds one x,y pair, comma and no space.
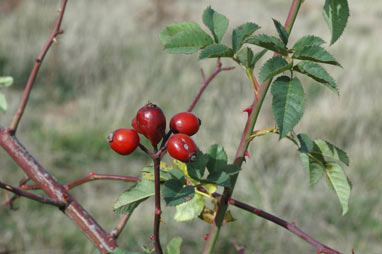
135,125
181,147
185,122
151,122
123,141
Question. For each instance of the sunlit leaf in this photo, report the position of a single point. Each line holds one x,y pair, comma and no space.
216,22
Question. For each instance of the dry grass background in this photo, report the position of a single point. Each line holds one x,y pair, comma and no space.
110,62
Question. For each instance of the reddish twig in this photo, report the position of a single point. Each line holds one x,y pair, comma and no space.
54,190
93,177
32,77
121,225
321,248
158,211
41,199
218,69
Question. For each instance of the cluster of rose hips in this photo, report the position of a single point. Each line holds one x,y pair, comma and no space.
151,123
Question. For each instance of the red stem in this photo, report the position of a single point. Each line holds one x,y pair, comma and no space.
207,81
93,177
321,248
32,77
158,211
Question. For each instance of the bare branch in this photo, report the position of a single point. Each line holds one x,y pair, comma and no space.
30,195
218,69
32,77
121,225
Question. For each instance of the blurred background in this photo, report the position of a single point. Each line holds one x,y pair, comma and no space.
109,63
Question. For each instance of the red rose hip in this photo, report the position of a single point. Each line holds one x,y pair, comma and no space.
181,147
123,141
185,122
151,122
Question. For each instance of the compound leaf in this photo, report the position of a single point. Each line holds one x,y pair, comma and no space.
174,192
217,158
288,103
315,54
216,50
245,57
220,178
268,42
132,197
308,40
184,37
318,73
216,22
240,33
190,209
196,169
274,66
306,144
336,14
283,34
339,182
314,168
330,151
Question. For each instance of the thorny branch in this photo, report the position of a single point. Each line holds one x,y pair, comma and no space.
32,77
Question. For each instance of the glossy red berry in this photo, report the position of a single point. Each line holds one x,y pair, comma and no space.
123,141
135,125
181,147
151,122
185,122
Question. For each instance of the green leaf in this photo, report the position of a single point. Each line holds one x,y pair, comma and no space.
177,175
330,151
245,57
132,197
232,169
3,102
340,184
171,30
288,103
196,169
190,209
308,40
336,14
240,33
220,178
184,37
6,81
216,50
268,42
122,251
306,144
283,34
217,158
258,56
318,73
315,170
216,22
173,247
315,54
148,174
274,66
174,193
